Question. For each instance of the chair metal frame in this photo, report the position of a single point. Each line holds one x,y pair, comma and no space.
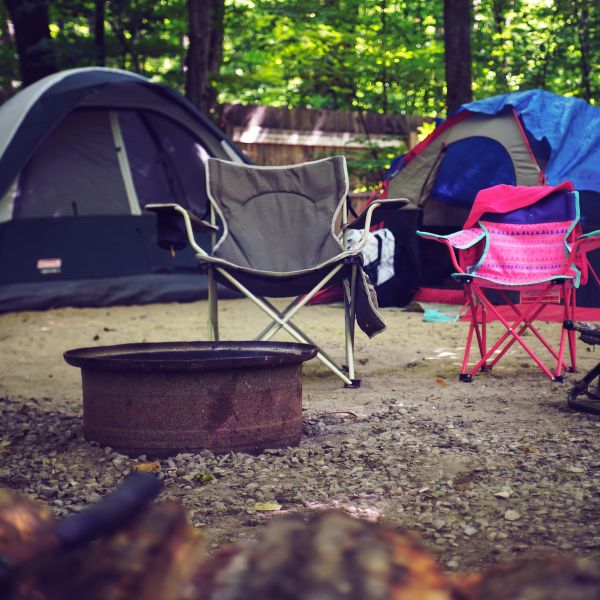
479,304
282,319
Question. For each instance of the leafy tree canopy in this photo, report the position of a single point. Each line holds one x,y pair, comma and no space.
376,55
388,56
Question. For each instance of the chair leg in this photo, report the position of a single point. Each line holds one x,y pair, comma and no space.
213,308
301,337
474,329
464,376
283,322
285,316
481,331
528,324
274,327
566,296
349,323
270,330
511,330
485,366
572,309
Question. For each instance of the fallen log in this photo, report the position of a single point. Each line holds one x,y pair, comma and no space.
552,578
329,556
158,555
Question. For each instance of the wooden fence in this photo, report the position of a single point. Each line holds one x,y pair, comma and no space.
279,136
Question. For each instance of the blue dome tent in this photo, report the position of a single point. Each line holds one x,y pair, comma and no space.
81,153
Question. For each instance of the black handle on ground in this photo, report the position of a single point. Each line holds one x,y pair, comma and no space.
111,512
100,519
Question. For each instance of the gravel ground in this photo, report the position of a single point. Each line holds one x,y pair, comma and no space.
486,471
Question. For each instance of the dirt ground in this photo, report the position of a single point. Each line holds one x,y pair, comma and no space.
485,471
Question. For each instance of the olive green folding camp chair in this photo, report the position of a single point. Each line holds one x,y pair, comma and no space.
281,232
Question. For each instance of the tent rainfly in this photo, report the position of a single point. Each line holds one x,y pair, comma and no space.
81,153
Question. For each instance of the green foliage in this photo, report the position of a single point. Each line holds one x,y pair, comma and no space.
367,165
523,45
346,55
385,56
141,36
202,478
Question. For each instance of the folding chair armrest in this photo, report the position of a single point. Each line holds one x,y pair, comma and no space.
197,223
455,242
452,250
461,240
191,222
586,242
363,221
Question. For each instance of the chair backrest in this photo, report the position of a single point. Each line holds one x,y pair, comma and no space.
278,219
529,245
557,207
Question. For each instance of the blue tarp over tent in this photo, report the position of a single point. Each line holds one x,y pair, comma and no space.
563,135
570,126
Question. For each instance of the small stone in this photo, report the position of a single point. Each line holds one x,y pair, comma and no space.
469,530
512,515
504,494
572,469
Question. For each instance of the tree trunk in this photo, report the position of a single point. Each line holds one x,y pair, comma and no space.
582,16
11,68
384,66
499,8
99,42
457,42
32,38
205,52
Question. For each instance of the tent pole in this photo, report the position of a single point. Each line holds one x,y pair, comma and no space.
132,198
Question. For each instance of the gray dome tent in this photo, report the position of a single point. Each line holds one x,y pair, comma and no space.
81,153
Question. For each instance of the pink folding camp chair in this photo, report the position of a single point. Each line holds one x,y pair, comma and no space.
525,240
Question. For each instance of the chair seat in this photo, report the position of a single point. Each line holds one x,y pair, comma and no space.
489,282
279,285
216,260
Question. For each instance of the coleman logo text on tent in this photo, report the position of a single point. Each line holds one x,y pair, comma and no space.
47,266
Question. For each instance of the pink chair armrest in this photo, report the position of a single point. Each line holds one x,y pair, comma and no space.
587,242
459,240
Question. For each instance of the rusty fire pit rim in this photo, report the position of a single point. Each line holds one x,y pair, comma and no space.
190,356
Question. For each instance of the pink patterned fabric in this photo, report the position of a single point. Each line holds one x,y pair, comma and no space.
465,238
525,255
